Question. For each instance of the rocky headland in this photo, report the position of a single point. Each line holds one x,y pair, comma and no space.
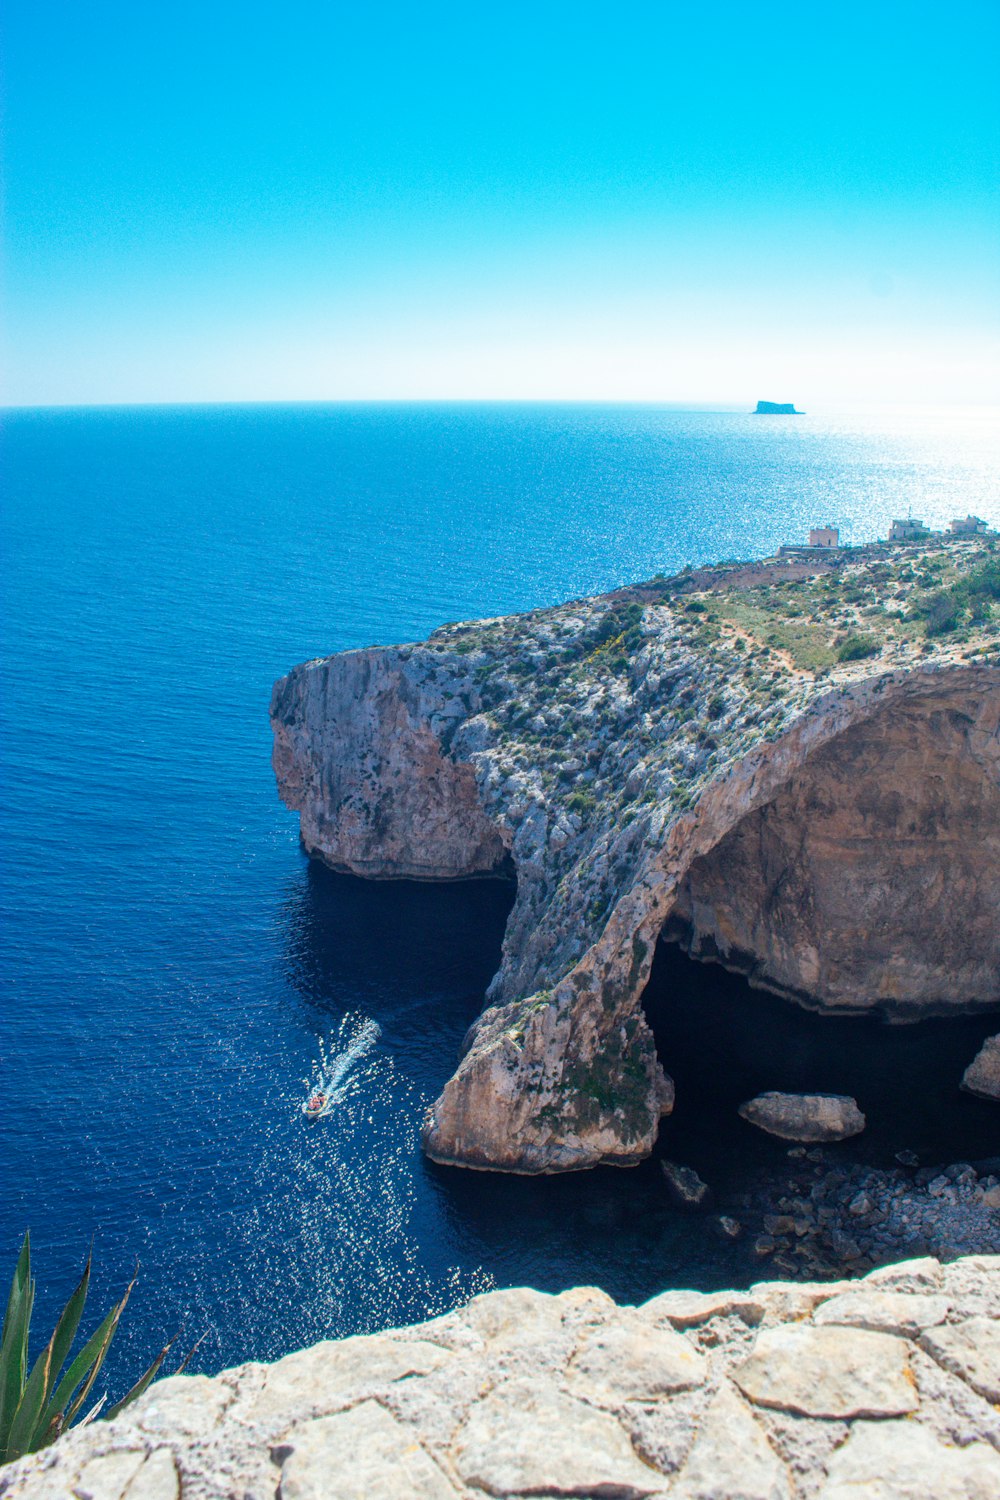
791,768
873,1389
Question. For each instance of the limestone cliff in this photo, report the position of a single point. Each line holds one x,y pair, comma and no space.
887,1386
793,769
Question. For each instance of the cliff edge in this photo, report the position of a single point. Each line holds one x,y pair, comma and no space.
792,768
887,1386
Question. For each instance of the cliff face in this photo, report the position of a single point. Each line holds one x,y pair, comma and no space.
396,805
887,1386
691,756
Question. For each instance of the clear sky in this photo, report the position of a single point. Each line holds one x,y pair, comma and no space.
703,202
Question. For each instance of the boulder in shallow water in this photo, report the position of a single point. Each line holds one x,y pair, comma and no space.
982,1076
805,1117
684,1186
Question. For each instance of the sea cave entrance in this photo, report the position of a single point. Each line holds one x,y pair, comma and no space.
867,890
723,1042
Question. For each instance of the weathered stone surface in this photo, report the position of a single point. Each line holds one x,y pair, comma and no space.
970,1349
397,805
982,1076
731,1457
836,833
630,1360
902,1313
526,1440
805,1117
828,1372
923,1274
188,1404
900,1461
317,1381
788,1301
361,1454
110,1476
684,1309
521,1393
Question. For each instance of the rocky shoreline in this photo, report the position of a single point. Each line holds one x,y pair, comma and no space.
834,1217
870,1389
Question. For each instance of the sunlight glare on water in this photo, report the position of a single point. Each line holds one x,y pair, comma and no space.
171,959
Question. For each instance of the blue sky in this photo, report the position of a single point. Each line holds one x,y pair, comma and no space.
664,201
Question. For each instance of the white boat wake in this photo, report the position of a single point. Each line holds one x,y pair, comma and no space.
336,1075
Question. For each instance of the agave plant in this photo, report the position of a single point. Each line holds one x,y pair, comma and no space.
35,1408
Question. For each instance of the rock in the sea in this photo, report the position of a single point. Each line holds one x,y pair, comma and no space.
726,1227
805,1117
684,1186
982,1076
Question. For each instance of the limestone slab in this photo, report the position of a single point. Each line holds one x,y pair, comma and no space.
360,1454
188,1405
731,1457
901,1461
688,1309
923,1274
316,1381
525,1439
108,1476
828,1372
904,1313
971,1350
156,1480
629,1359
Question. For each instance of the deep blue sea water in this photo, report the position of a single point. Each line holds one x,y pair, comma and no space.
173,968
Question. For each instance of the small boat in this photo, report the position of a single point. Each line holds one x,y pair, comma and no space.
315,1105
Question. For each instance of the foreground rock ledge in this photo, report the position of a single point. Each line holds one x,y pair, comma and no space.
687,758
882,1387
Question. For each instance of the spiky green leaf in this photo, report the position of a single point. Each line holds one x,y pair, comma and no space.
14,1342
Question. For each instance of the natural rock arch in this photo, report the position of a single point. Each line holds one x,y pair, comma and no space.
903,770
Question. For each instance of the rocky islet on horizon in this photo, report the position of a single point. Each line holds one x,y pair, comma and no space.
791,767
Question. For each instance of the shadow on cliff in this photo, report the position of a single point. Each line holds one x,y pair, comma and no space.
723,1042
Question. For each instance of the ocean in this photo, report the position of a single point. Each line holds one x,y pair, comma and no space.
176,974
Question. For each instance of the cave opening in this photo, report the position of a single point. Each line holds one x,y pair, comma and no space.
724,1041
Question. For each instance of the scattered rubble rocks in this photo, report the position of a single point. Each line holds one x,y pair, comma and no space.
833,1217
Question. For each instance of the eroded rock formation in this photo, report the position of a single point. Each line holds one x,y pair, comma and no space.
784,772
887,1386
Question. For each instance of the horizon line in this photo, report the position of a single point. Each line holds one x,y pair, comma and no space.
691,405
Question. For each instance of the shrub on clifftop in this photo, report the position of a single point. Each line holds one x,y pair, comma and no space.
857,648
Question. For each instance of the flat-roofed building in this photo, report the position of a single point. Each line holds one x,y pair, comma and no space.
969,526
824,536
908,530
